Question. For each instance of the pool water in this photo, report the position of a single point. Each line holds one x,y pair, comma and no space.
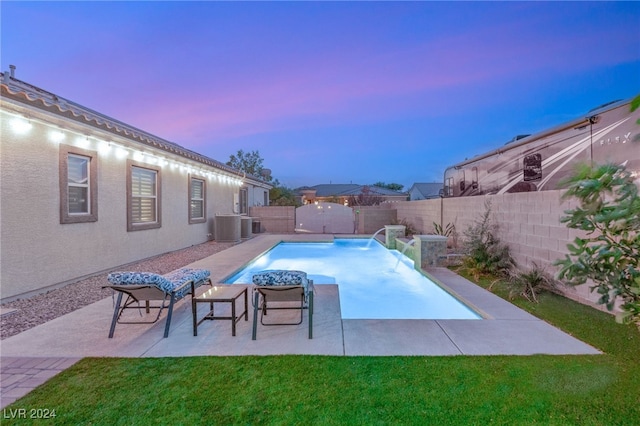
374,282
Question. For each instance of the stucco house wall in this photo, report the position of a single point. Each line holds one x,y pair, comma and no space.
37,251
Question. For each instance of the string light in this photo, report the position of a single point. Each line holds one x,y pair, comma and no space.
22,125
56,135
121,152
104,147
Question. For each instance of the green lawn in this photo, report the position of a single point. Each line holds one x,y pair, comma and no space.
460,390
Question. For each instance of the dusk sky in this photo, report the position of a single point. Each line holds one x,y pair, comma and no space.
331,92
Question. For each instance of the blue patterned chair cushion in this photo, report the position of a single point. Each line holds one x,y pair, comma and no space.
167,283
281,277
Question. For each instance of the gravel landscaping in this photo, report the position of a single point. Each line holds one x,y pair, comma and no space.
41,308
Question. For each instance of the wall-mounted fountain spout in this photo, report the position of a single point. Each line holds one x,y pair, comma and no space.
374,236
404,249
410,243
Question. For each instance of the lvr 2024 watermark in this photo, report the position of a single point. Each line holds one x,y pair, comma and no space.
31,413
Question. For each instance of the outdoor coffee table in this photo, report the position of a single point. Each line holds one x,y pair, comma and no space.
222,293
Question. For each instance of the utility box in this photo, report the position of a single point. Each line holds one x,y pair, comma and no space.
245,227
227,228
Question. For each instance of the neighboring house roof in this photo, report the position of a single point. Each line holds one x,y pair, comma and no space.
426,190
347,189
28,94
329,190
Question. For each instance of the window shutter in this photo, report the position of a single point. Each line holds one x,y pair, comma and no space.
143,191
197,199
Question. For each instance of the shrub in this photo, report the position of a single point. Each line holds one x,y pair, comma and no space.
609,255
409,227
484,252
530,283
448,231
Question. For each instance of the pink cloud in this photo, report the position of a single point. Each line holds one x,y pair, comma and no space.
367,82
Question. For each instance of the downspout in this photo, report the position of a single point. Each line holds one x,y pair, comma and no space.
592,120
442,213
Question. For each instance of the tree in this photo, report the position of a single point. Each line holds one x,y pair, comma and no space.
250,163
391,186
283,196
609,255
635,104
367,197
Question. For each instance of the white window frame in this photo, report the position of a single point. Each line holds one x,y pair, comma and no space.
86,184
91,215
203,218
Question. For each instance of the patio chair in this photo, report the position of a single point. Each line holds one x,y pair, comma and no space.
146,286
278,286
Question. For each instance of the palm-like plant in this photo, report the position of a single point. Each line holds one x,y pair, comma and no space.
530,283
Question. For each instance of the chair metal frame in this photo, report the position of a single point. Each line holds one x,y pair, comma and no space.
265,295
137,293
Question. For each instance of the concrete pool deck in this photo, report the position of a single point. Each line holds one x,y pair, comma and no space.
506,329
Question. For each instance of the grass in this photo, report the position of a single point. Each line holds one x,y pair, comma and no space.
460,390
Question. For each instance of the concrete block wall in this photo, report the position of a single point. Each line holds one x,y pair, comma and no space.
421,214
275,219
369,219
528,222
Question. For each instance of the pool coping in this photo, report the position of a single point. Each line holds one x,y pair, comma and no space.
452,293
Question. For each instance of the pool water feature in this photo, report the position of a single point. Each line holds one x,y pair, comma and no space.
374,283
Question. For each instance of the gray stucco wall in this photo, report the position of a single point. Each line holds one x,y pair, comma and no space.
37,251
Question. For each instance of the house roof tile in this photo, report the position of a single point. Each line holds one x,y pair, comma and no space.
427,190
33,96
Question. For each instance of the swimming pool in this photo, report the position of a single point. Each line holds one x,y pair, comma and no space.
374,283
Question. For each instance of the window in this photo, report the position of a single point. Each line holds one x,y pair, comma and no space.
474,178
143,197
78,185
448,188
532,165
244,201
197,201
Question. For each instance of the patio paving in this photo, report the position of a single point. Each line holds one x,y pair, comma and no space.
506,330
